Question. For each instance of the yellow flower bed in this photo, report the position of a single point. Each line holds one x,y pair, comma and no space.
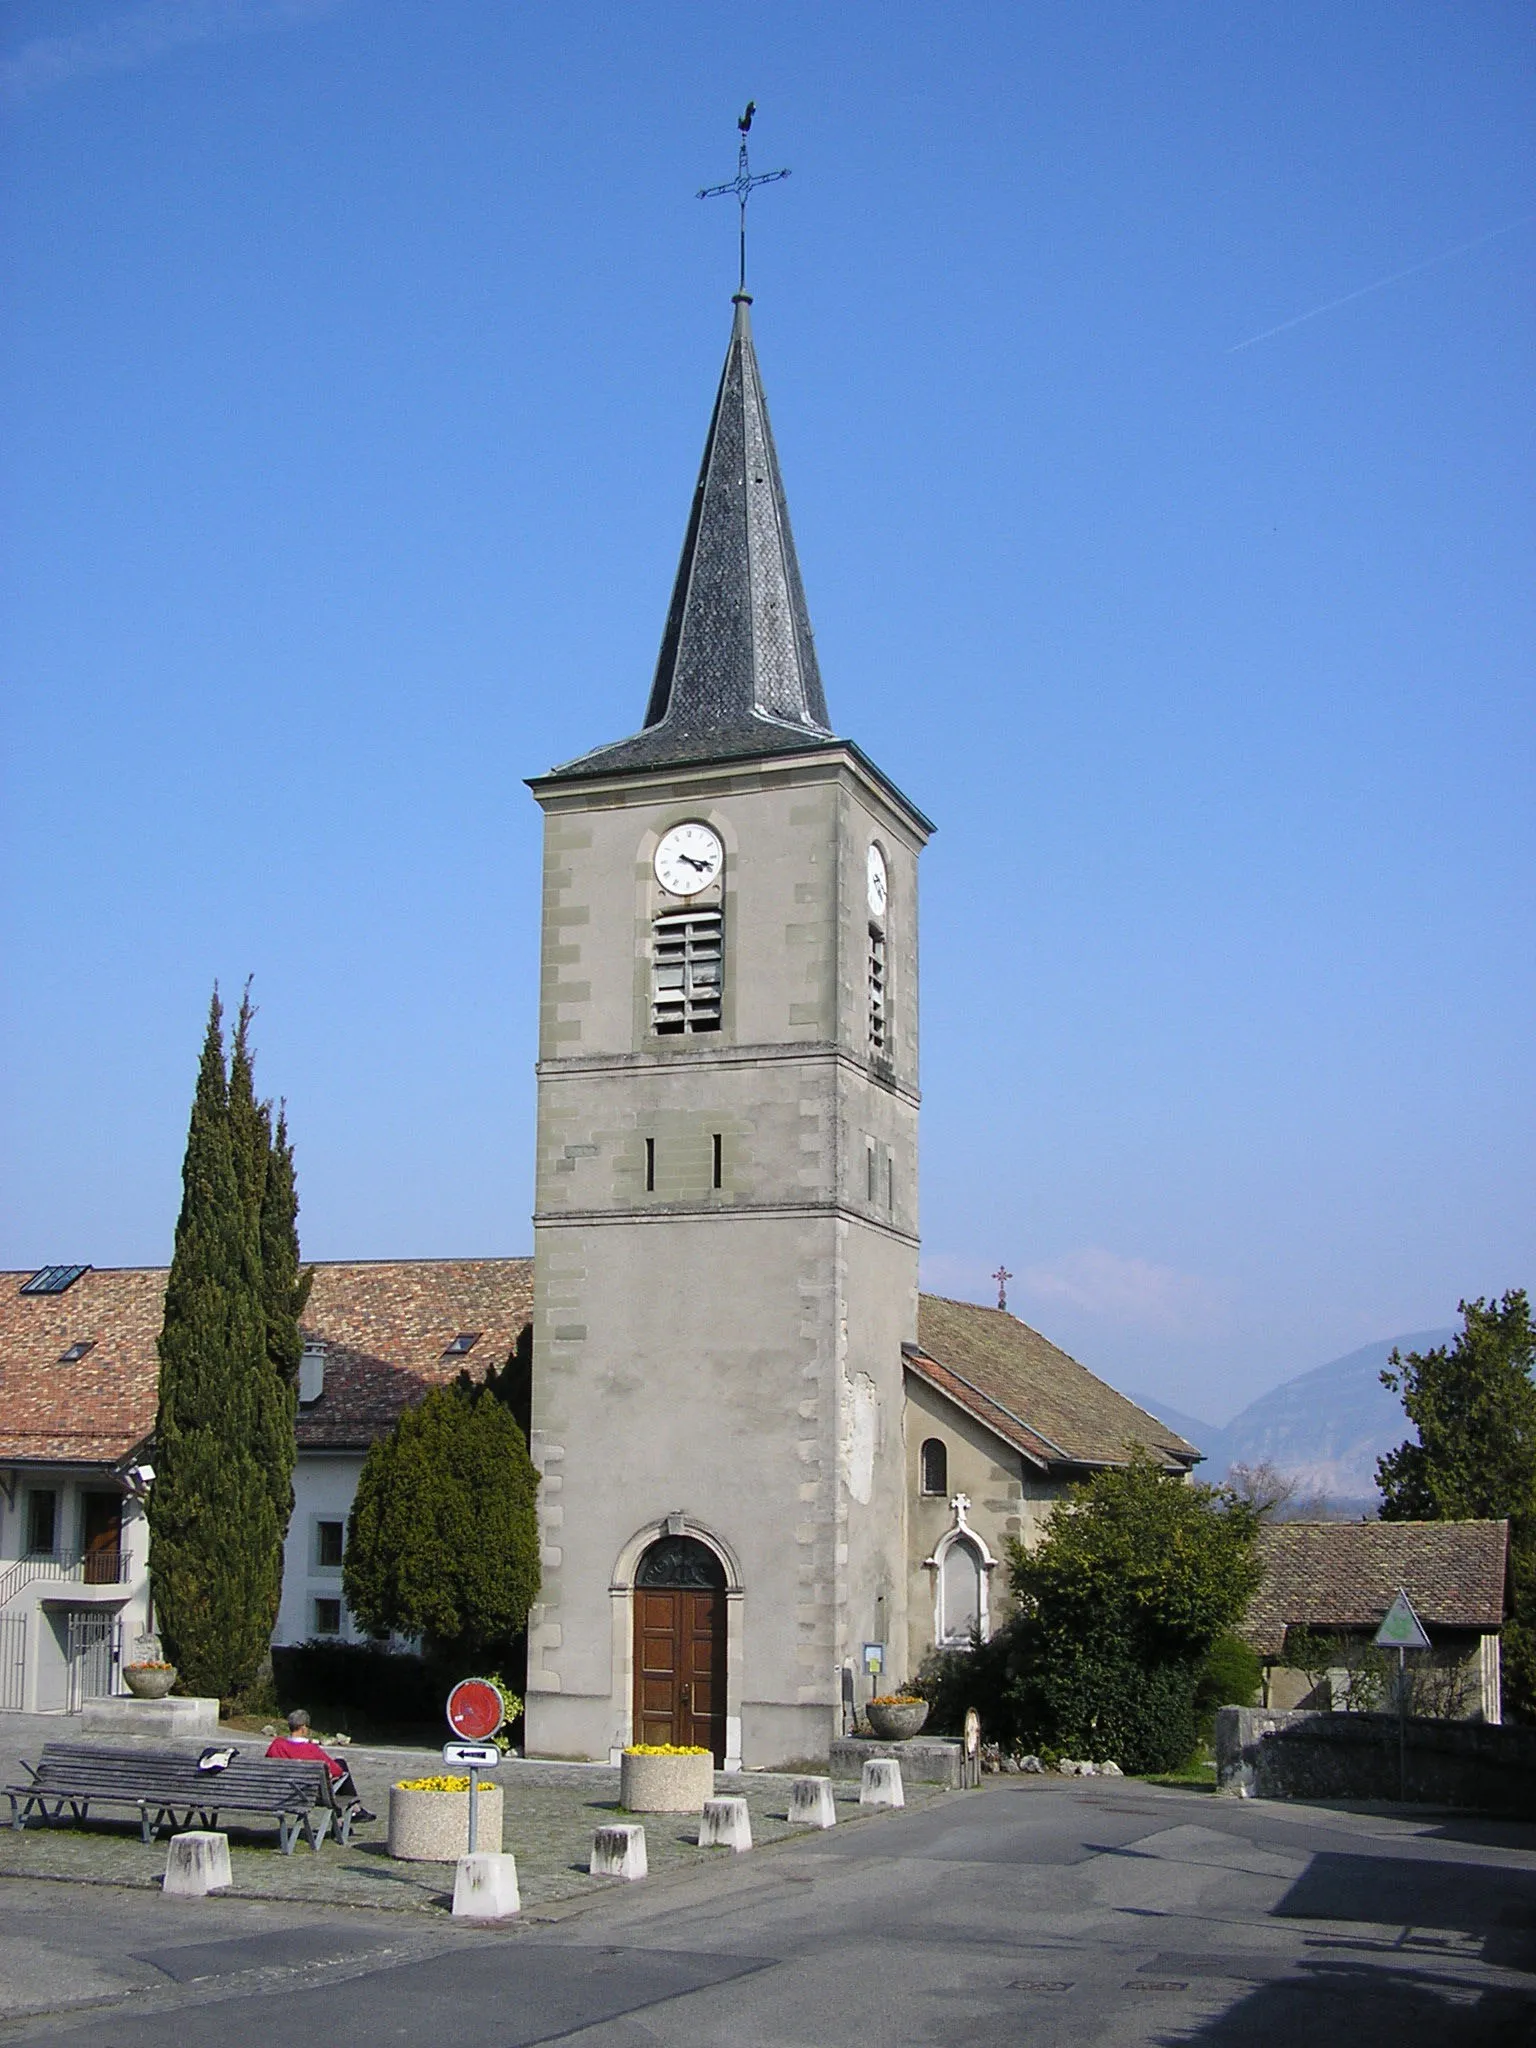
666,1749
897,1699
432,1784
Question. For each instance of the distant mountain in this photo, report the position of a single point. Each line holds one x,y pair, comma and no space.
1325,1428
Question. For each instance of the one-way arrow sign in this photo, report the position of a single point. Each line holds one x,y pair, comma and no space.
1401,1628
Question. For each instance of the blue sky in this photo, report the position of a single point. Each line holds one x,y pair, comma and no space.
358,357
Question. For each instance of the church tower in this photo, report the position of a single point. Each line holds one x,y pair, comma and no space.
726,1212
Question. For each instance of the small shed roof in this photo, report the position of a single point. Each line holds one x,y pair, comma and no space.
1345,1575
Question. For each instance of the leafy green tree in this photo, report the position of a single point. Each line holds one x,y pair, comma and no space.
1138,1577
442,1542
1473,1405
215,1543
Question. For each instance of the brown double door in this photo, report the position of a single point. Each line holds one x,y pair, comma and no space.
680,1667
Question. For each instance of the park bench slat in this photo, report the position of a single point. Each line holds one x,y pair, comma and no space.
161,1783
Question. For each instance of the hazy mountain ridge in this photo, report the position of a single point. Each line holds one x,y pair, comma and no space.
1326,1428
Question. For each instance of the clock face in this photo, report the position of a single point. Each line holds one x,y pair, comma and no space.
878,888
688,859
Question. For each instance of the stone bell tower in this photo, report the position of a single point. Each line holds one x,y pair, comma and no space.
726,1222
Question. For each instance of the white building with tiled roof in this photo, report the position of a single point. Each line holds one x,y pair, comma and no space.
78,1385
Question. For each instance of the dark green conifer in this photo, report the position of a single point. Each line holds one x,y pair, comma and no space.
443,1538
215,1543
284,1291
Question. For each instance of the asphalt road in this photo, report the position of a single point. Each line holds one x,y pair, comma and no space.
1033,1911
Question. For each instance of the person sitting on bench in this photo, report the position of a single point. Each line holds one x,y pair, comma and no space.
298,1742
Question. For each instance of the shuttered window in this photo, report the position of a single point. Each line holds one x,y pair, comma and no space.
686,965
877,1031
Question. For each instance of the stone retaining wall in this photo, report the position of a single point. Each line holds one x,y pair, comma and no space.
1266,1755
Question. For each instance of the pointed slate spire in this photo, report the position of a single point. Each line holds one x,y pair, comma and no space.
737,674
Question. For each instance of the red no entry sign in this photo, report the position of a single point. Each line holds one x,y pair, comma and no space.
475,1711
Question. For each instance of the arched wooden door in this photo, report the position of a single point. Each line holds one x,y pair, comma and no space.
680,1646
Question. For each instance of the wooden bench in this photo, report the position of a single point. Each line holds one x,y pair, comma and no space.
169,1790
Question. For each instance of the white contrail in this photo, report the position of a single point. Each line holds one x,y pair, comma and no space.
1381,283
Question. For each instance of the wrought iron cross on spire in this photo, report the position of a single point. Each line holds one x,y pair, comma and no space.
744,184
1002,1276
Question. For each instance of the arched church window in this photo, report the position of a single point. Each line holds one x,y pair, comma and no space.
681,1561
687,965
961,1593
935,1462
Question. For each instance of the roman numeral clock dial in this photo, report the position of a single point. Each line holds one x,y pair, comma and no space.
688,859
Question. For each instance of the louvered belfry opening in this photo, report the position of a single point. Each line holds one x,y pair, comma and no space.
687,959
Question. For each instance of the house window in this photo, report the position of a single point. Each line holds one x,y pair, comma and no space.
961,1609
935,1463
327,1617
687,949
330,1540
42,1524
877,1024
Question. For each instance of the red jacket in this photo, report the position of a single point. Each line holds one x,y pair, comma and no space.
305,1746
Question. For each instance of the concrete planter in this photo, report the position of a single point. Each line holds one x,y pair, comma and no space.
149,1681
433,1827
897,1723
665,1784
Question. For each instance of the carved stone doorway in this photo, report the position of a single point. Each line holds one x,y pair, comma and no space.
680,1646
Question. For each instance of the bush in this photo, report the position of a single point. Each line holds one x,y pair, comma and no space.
442,1541
1139,1577
345,1681
1230,1677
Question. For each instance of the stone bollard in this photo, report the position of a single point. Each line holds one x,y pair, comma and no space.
881,1785
811,1804
619,1851
485,1887
725,1824
197,1863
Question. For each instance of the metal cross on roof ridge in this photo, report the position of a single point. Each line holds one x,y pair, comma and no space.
743,185
1002,1276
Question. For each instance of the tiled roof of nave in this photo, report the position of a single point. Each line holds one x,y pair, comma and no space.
1070,1416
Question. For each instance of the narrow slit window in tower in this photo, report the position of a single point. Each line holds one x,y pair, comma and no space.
718,1161
686,962
650,1166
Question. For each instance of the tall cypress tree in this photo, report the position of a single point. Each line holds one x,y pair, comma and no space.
284,1291
215,1542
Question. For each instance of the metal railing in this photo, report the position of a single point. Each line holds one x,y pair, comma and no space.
67,1567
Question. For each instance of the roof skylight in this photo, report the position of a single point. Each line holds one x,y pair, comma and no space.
52,1280
464,1342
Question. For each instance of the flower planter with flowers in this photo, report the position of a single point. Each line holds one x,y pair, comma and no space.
663,1778
429,1819
149,1681
897,1717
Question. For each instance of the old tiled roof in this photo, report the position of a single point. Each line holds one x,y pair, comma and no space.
387,1323
1345,1575
737,674
1032,1394
96,1411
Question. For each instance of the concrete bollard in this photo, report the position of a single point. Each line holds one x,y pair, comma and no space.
881,1782
811,1804
485,1887
197,1863
619,1851
725,1824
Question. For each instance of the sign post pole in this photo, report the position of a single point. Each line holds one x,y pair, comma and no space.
1402,1630
475,1712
